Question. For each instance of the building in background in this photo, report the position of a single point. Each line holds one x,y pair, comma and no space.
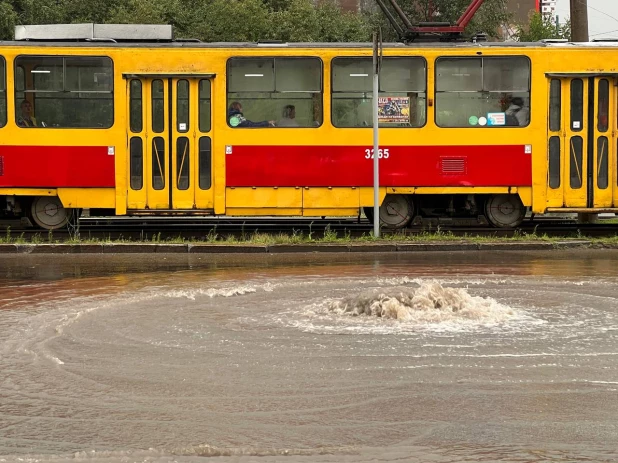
521,9
547,7
350,5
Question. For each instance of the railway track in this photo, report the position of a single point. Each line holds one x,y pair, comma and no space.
190,228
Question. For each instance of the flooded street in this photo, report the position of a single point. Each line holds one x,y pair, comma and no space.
419,357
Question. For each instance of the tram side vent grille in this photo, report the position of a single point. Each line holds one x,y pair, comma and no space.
453,166
1,166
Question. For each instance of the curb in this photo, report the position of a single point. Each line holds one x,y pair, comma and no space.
224,248
151,248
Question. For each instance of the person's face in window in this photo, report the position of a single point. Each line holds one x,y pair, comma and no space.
292,113
26,109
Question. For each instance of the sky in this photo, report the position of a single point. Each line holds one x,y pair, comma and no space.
602,16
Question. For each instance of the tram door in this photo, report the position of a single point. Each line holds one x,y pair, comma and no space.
170,139
582,144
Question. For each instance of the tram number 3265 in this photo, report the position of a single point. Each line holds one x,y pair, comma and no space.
382,153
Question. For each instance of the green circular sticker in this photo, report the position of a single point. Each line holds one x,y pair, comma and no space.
235,121
473,120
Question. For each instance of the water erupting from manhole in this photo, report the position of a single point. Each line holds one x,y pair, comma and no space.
430,303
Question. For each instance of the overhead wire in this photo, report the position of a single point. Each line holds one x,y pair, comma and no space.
597,10
581,2
603,33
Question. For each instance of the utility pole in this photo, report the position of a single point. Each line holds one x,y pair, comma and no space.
579,33
377,43
579,21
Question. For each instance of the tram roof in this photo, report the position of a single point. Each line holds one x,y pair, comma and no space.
191,44
161,36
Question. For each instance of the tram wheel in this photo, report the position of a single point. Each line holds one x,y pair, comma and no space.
396,211
49,213
504,211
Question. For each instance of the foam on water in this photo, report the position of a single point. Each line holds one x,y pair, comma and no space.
426,306
430,303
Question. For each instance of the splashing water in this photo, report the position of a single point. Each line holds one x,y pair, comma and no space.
430,303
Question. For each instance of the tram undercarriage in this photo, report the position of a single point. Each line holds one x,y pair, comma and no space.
396,211
399,211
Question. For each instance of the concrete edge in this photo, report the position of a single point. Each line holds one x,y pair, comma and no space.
206,248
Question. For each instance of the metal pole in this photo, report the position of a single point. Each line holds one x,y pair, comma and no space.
558,27
376,143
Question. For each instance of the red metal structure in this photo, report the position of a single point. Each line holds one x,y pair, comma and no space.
442,31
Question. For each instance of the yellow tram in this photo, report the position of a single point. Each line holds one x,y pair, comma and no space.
125,120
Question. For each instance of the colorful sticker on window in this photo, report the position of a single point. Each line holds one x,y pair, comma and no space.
394,109
235,121
496,119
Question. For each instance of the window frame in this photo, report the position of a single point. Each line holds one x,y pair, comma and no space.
274,57
481,57
199,105
154,110
332,76
3,77
133,129
577,113
603,107
183,113
112,92
554,121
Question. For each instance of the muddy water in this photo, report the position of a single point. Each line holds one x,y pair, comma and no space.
428,357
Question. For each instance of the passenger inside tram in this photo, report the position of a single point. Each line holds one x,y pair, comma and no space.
482,91
289,117
286,89
67,92
237,119
517,114
26,119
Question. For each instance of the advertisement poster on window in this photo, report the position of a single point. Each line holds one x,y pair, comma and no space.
394,109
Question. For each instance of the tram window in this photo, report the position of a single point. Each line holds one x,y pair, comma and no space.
135,106
554,162
576,166
402,98
66,92
603,109
158,106
577,105
182,105
137,163
204,106
555,105
205,167
285,90
483,92
20,84
158,163
182,163
2,92
602,163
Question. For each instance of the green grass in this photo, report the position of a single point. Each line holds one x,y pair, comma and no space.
327,236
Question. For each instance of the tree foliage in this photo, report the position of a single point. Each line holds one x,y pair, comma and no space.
542,27
242,20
